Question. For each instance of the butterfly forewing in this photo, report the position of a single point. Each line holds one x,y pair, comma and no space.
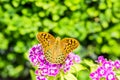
68,45
45,39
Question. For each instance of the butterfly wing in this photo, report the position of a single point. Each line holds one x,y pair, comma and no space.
47,41
68,45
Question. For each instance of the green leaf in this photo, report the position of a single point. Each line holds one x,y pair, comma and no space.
77,67
62,76
3,42
91,64
70,76
32,73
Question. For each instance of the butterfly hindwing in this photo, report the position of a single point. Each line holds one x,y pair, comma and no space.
48,55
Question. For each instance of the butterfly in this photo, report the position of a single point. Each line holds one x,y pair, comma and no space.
56,50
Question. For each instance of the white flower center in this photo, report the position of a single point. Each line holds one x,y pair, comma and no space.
107,65
110,77
117,65
52,71
102,72
96,75
45,70
35,60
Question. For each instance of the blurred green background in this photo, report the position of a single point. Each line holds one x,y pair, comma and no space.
95,23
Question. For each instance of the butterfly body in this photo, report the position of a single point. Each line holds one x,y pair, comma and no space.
55,49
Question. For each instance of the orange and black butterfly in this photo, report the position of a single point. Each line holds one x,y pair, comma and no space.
55,49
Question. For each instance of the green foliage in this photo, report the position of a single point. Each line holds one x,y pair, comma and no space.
95,23
74,74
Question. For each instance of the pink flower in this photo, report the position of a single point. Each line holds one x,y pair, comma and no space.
66,68
102,72
94,75
108,65
105,69
35,54
40,78
101,59
45,68
33,60
117,64
111,76
44,71
74,57
77,59
96,79
53,71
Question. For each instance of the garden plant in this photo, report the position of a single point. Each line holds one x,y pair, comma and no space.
95,24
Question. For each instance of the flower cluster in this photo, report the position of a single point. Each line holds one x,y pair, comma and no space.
45,68
106,69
